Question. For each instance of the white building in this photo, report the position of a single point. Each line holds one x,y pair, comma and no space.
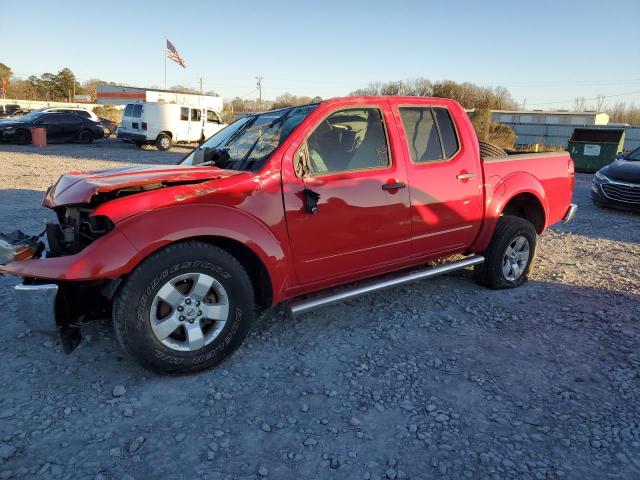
540,117
119,95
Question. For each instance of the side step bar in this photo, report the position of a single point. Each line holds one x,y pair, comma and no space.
303,306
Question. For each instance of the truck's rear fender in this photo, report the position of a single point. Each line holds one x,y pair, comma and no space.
519,194
243,235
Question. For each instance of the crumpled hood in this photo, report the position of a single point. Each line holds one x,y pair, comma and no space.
79,187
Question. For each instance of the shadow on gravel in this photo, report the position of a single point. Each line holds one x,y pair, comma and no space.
104,149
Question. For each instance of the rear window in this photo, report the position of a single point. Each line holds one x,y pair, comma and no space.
137,111
431,134
184,113
447,132
196,114
127,110
422,134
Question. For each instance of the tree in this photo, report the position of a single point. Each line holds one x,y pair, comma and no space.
66,84
90,87
468,94
600,99
579,104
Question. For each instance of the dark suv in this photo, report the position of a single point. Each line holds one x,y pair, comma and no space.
61,127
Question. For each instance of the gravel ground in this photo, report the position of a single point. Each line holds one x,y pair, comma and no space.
437,379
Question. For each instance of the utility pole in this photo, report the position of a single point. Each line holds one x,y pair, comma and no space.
200,85
259,79
524,103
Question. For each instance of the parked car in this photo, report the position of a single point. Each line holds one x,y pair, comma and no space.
9,109
618,184
61,127
109,127
164,124
83,112
277,206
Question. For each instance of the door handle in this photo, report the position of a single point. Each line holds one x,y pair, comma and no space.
393,186
464,176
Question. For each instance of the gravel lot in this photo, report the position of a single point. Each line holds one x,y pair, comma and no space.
440,378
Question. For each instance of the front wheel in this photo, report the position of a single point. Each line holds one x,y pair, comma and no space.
22,137
509,257
163,142
184,309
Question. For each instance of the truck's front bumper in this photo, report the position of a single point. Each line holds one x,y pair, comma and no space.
37,306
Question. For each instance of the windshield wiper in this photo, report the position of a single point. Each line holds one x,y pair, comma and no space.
281,118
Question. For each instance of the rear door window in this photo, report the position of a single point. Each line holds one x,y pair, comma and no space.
137,111
128,110
196,114
422,134
184,114
447,131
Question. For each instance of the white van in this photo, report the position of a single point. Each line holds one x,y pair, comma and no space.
164,124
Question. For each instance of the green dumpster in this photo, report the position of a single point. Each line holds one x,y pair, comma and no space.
593,148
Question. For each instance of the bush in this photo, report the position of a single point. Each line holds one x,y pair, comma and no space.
500,135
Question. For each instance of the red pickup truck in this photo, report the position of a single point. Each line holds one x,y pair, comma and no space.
280,206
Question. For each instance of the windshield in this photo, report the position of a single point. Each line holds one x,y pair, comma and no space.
247,143
634,155
30,117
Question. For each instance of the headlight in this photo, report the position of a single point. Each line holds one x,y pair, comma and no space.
601,177
9,130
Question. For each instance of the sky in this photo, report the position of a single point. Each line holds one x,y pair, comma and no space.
544,52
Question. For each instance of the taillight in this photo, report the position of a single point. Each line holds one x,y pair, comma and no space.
571,169
144,125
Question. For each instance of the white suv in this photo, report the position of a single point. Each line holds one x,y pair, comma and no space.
83,112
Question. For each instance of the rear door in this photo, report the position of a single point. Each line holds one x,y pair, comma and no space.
183,124
195,125
445,179
362,218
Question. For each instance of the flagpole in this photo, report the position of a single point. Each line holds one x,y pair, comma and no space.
165,62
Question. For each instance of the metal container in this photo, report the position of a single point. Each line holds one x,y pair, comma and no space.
591,148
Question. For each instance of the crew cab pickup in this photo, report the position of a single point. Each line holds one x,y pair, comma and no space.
282,206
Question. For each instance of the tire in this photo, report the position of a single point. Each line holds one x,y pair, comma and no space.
85,137
490,150
106,131
163,142
167,347
509,230
22,137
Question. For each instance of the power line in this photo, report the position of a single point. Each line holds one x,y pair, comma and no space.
593,98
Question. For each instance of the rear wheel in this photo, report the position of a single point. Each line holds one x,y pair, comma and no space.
22,137
163,142
85,137
106,131
184,309
509,258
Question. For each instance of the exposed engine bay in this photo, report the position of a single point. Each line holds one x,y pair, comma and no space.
76,230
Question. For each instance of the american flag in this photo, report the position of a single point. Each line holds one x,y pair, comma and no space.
173,54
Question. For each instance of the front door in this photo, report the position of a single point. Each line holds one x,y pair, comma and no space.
362,217
195,125
445,179
55,132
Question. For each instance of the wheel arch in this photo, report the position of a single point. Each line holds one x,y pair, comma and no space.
519,194
236,232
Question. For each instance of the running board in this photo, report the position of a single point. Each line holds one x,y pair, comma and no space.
303,306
